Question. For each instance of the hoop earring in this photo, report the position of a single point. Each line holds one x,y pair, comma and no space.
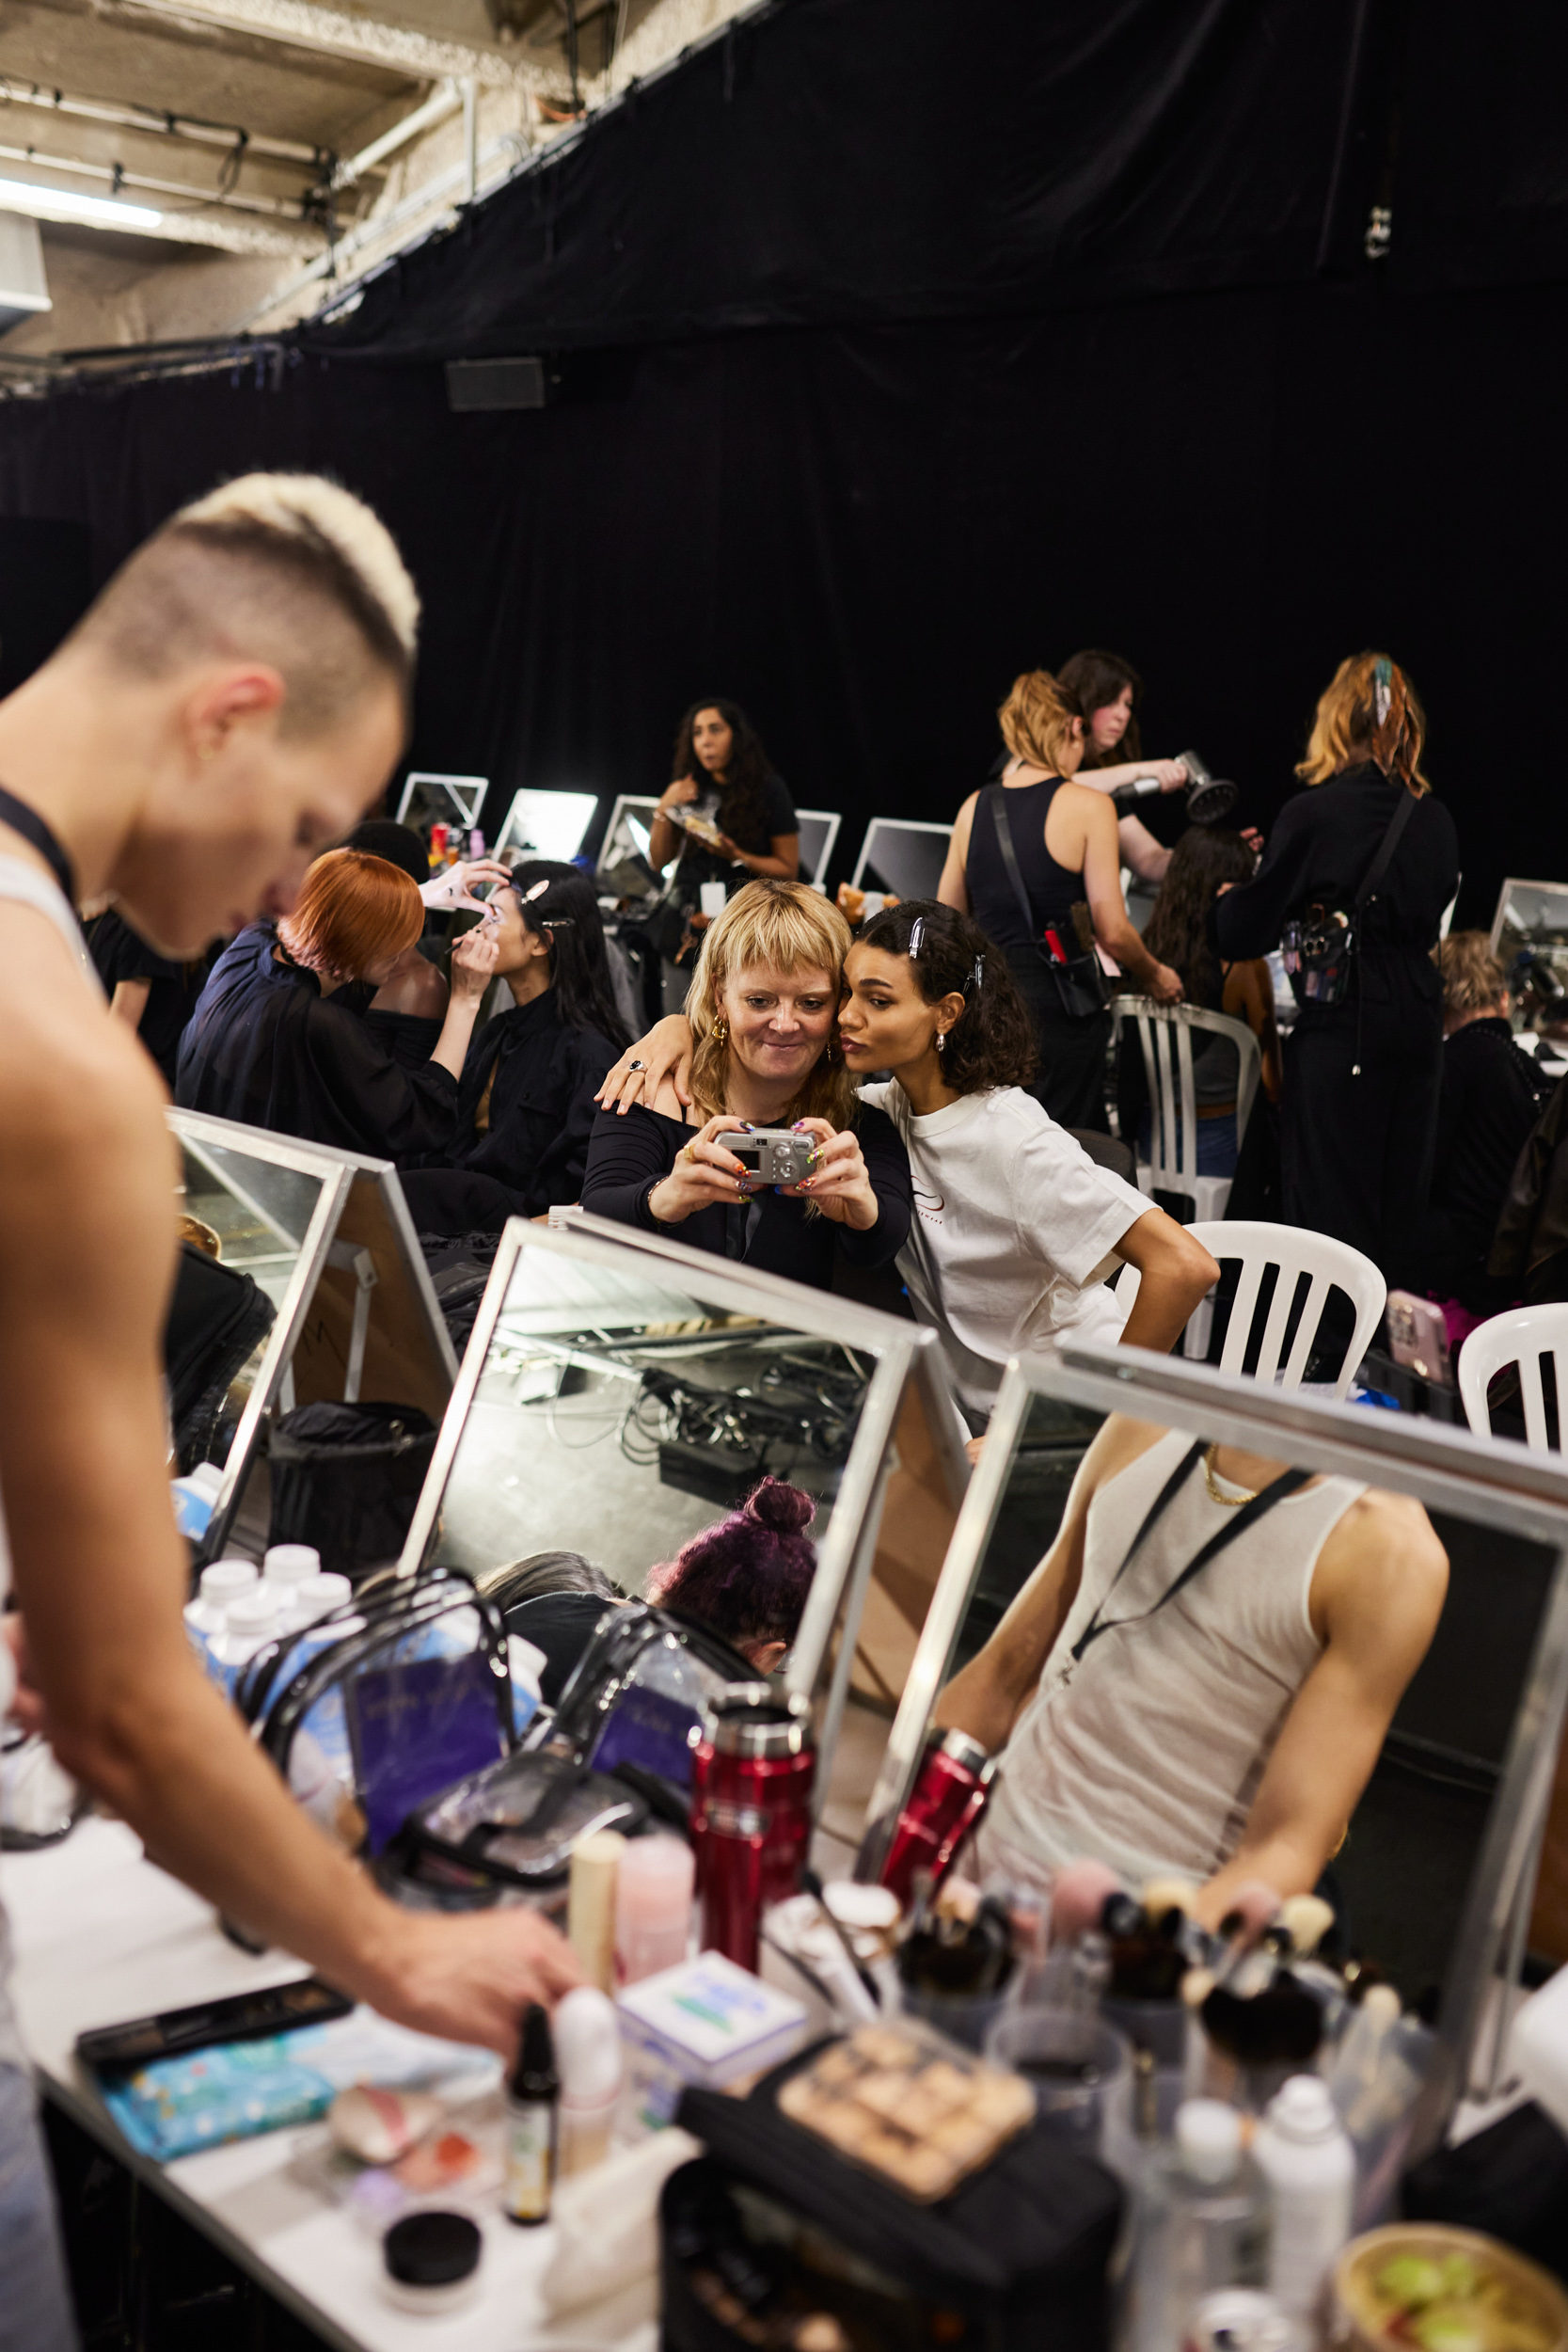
720,1031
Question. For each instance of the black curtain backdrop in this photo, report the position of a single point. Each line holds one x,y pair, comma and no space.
931,462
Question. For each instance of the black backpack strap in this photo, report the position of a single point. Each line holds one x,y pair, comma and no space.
995,798
1387,847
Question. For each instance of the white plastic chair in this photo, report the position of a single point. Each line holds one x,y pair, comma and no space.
1165,1034
1295,1251
1522,1336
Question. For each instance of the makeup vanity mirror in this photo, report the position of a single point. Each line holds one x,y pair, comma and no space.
621,1394
1131,1702
342,1307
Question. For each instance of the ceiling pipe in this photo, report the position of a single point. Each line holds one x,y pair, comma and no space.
161,124
437,108
268,207
396,48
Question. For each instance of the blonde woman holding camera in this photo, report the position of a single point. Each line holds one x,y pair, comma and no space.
764,1011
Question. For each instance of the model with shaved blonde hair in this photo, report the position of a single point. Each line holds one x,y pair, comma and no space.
230,706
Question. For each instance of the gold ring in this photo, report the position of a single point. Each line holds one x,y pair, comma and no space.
690,1152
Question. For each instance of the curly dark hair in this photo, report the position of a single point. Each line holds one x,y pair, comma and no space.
993,1042
1097,677
1177,929
741,811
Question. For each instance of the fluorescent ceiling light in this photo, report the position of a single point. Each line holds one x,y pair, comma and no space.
23,196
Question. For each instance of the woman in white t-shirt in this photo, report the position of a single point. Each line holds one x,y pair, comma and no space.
1016,1227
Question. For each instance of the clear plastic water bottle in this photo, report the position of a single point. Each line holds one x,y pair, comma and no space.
526,1663
206,1616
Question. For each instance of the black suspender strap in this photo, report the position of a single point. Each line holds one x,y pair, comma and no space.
995,797
30,825
1246,1516
1390,842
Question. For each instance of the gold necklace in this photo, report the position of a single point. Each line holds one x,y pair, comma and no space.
1231,1502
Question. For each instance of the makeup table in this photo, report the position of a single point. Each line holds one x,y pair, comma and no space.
101,1935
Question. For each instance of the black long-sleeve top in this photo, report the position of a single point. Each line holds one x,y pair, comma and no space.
1493,1094
1323,841
628,1156
266,1047
544,1073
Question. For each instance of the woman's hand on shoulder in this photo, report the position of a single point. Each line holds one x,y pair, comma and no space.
839,1181
662,1058
705,1173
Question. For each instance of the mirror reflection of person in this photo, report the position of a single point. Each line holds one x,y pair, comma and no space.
1228,1731
763,1009
525,1105
749,1577
721,771
1069,857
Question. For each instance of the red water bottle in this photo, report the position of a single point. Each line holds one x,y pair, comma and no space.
951,1790
750,1812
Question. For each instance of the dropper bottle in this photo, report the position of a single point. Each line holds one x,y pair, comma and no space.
532,2112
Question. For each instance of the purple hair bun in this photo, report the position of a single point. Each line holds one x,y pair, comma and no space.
789,1510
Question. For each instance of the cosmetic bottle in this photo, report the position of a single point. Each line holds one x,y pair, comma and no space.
587,2034
1306,2157
1202,2224
532,2115
652,1907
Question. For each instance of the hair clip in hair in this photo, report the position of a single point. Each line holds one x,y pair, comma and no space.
917,935
535,890
557,922
977,976
1383,688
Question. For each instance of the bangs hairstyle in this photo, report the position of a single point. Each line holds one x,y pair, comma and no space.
993,1042
791,929
354,911
1094,678
566,915
1037,719
1347,726
1473,979
287,569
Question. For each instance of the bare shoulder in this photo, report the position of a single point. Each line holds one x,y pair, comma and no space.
1382,1565
83,1140
1117,1445
965,817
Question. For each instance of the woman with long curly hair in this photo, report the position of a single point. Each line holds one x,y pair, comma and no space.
1015,1226
763,1009
745,823
1363,1075
1208,860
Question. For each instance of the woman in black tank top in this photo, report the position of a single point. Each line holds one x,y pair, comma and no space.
1074,892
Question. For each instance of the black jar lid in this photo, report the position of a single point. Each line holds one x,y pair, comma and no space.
432,2250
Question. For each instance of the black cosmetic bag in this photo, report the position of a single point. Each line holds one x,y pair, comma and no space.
1021,2249
346,1478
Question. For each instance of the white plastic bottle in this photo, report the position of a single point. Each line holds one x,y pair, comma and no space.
526,1663
285,1566
316,1597
195,1496
206,1616
1304,2154
1203,2213
250,1622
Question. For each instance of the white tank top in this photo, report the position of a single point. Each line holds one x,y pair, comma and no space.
1146,1754
26,886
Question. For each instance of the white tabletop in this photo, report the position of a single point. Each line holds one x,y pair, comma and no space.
101,1935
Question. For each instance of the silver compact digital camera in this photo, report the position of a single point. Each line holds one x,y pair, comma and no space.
776,1155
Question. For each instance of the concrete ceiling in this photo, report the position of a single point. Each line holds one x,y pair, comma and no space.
284,144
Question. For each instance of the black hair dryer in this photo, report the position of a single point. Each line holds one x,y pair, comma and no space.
1208,798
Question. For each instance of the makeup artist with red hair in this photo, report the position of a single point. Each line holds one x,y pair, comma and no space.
279,1040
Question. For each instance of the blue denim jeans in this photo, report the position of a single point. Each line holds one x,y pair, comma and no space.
34,2305
1216,1143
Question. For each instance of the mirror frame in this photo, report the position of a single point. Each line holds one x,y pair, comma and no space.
515,826
466,793
894,825
1491,1480
906,1351
340,1174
